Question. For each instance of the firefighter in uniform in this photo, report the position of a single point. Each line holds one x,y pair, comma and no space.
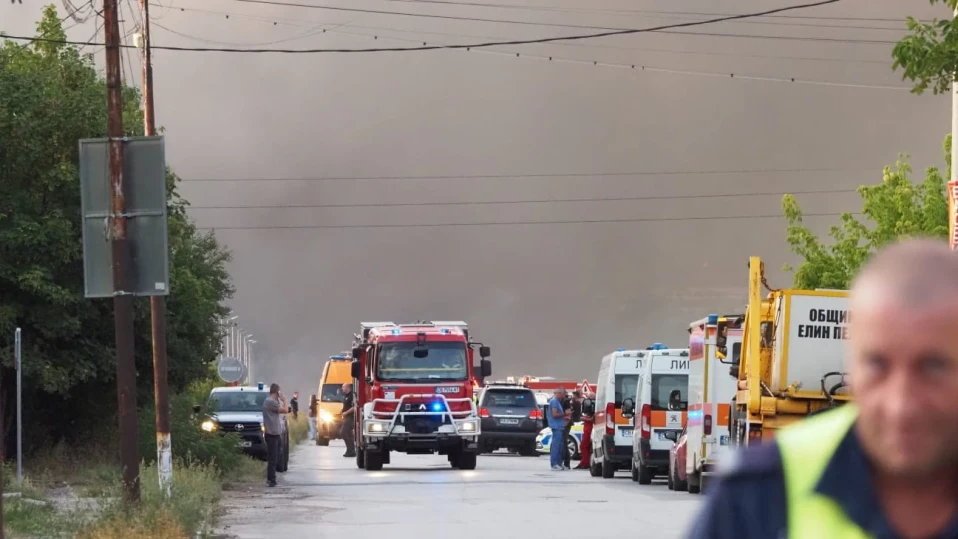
885,466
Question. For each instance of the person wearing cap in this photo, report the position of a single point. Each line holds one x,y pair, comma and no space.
886,464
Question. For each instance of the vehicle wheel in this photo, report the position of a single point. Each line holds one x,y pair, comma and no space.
608,468
693,484
453,457
361,459
669,481
594,469
635,472
467,461
677,485
645,475
322,441
572,446
374,461
529,450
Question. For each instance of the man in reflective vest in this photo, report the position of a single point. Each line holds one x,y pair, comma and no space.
887,465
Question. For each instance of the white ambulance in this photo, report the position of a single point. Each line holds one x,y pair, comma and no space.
659,407
618,380
711,391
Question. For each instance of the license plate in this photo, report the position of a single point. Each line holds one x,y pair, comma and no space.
626,432
246,444
508,421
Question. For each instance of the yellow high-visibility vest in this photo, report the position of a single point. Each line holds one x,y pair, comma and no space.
806,449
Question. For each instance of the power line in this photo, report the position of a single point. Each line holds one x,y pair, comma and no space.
538,175
324,27
426,47
516,223
511,202
644,12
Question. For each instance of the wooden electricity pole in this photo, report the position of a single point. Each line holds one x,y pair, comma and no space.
122,279
164,445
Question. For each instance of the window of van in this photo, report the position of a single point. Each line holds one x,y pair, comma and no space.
332,393
625,387
662,387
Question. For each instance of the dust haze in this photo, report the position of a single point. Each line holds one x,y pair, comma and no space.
550,299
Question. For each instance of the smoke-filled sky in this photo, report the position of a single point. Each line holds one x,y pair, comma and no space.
387,132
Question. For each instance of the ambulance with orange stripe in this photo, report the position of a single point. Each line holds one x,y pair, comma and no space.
711,391
659,407
619,374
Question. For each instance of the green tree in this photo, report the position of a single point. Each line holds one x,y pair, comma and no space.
50,97
895,207
928,55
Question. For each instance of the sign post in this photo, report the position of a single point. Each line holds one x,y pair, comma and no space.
18,340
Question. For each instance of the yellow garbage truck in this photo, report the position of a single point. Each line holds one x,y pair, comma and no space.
792,361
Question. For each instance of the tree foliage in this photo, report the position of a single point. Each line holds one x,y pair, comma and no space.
50,97
928,55
896,207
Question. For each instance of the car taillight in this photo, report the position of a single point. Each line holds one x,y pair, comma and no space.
535,414
707,425
483,412
646,421
610,418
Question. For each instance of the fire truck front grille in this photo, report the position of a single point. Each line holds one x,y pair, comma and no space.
422,424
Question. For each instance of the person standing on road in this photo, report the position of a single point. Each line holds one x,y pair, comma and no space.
294,405
585,447
573,409
348,432
557,421
885,465
274,407
311,418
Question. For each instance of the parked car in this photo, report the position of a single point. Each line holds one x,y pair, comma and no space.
544,440
511,419
678,477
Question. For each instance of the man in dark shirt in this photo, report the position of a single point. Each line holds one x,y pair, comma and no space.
575,405
890,465
294,405
349,409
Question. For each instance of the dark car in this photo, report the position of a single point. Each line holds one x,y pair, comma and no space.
511,419
239,411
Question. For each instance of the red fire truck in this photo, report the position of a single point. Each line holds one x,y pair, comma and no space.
414,392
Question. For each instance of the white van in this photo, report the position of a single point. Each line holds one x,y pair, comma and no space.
618,379
711,391
659,406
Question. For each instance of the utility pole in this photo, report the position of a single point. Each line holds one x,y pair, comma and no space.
164,444
122,281
953,184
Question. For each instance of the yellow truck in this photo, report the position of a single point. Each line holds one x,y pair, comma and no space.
792,361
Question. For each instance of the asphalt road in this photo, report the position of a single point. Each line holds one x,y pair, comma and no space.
324,495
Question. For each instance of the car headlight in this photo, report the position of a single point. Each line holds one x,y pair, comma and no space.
208,426
468,426
377,427
325,416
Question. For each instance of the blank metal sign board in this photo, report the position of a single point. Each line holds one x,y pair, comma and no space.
144,186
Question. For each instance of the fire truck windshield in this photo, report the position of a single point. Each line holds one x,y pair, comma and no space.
399,361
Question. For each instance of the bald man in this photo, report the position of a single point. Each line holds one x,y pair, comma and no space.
887,465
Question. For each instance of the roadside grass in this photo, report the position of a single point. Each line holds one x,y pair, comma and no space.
298,429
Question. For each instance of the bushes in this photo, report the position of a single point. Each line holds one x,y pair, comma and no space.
190,443
196,489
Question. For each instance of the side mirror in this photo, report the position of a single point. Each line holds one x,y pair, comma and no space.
671,435
358,351
196,408
355,369
628,408
485,351
721,333
588,407
485,365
